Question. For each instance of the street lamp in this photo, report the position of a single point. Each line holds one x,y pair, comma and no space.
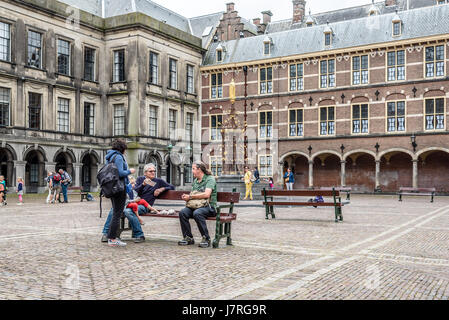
413,141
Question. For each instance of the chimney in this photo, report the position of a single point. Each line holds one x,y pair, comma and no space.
230,7
256,21
299,10
391,3
267,17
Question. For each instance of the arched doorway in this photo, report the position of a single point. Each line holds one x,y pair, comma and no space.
89,171
7,166
64,161
433,170
34,171
360,173
396,170
326,170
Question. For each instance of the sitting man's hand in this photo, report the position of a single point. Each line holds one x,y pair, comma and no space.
185,197
157,192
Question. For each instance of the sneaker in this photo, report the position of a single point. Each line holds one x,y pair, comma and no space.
116,243
186,241
139,240
104,238
205,243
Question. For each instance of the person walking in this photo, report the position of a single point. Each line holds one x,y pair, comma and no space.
116,155
201,203
2,191
48,180
66,180
20,191
248,183
289,179
256,175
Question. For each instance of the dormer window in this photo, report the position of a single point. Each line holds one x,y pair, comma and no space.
373,10
327,36
441,1
219,53
309,21
267,46
397,26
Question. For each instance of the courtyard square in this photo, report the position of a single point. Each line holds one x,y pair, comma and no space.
384,249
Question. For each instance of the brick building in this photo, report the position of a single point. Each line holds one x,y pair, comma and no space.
355,97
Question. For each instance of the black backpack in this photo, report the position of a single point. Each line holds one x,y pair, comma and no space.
109,180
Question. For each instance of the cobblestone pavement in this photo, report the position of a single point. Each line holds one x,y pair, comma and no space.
384,249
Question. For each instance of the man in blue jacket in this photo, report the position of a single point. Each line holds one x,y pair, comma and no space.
149,187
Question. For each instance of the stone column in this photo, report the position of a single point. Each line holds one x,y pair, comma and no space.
76,178
343,173
20,171
377,174
310,174
164,172
415,173
182,168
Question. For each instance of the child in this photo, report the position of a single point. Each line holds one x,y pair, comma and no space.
3,191
20,191
134,201
271,183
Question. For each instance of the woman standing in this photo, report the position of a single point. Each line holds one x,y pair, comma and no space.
248,183
116,155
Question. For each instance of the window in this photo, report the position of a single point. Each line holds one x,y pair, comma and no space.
190,82
216,166
296,123
216,122
266,166
119,120
173,74
172,124
63,57
189,126
34,173
216,86
89,119
435,114
297,77
119,66
266,124
396,65
396,116
89,64
266,80
34,111
266,47
396,28
5,41
327,121
63,115
154,68
441,1
435,61
188,174
327,39
153,121
34,49
219,55
360,121
360,70
4,107
327,73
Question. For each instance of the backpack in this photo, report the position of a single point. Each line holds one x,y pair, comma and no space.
56,178
109,180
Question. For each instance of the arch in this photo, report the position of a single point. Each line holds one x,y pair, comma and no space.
346,155
327,102
435,93
40,151
383,153
295,105
156,155
324,152
92,153
359,99
292,153
11,150
430,149
395,96
265,107
68,152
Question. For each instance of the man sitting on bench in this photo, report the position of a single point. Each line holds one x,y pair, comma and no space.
200,205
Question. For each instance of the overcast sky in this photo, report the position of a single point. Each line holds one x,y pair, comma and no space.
249,9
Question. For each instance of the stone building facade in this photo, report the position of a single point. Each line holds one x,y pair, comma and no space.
73,80
355,97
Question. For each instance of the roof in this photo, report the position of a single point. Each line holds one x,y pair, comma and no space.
417,23
204,26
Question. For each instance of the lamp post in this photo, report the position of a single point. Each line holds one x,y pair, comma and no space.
245,123
413,141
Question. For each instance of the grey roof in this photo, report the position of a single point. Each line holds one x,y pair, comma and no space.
348,14
417,23
112,8
204,26
248,26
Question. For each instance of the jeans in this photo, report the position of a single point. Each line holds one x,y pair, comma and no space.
118,206
64,191
133,222
289,185
199,215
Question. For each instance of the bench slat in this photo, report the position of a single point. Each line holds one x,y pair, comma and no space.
300,193
310,204
221,196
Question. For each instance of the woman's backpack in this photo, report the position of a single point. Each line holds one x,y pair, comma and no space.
109,180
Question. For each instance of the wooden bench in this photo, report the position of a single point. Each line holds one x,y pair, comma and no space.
341,189
406,191
269,202
223,219
75,190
